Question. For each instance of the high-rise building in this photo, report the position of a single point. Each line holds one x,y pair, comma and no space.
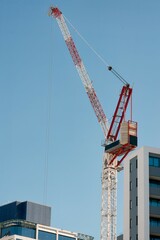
31,221
142,195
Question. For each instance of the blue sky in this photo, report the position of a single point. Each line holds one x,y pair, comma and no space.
46,117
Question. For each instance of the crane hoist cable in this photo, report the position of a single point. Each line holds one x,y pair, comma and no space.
109,67
47,130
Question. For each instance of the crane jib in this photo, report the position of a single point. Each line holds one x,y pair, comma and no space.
74,53
81,70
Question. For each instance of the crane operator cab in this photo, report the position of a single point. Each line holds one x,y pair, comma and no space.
128,139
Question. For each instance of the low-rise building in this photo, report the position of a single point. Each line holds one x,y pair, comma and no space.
31,221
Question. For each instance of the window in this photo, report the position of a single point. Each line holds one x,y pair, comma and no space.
155,222
154,202
130,167
136,182
136,163
151,162
136,220
130,204
130,185
154,183
61,237
154,161
154,238
130,222
18,230
42,235
136,201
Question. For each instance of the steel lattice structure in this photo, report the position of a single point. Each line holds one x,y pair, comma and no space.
110,164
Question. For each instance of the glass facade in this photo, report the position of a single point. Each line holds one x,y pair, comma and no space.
154,183
61,237
154,161
42,235
154,222
154,238
18,230
154,202
31,233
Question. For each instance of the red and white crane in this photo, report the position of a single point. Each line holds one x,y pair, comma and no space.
114,149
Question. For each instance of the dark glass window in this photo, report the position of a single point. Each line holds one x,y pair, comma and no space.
154,183
136,163
136,182
61,237
154,202
154,222
42,235
154,238
130,167
18,230
130,222
154,161
130,185
151,162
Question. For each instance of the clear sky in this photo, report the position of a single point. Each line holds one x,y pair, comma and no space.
49,137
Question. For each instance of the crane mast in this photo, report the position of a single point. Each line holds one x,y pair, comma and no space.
113,148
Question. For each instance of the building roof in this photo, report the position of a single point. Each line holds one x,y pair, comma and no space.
26,210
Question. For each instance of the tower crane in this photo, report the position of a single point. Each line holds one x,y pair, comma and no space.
116,147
